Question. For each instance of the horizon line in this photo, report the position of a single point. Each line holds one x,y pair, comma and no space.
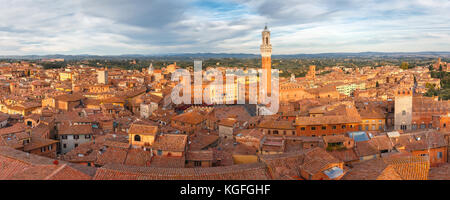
175,54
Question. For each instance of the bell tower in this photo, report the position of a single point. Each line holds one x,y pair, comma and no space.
403,108
266,54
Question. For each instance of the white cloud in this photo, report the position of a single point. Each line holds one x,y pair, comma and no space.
152,27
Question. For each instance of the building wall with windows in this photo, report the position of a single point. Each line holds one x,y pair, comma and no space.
375,125
326,129
69,142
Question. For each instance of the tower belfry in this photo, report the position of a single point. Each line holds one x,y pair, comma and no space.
266,54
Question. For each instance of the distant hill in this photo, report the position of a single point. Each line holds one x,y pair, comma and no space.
190,56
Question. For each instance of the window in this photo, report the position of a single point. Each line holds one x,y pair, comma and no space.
50,147
137,138
334,127
313,135
64,146
76,145
198,163
302,128
439,155
403,127
160,152
313,128
76,137
275,132
367,127
87,136
403,112
64,137
380,127
324,128
284,132
343,126
43,149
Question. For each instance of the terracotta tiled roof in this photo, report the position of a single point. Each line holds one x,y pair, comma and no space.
112,156
410,167
206,155
171,142
16,128
168,162
391,168
420,140
364,148
346,155
67,129
255,171
138,157
253,133
3,117
70,97
316,159
229,111
19,165
199,141
38,143
372,113
142,129
440,173
40,131
284,164
381,142
375,169
271,124
335,138
50,172
190,118
230,122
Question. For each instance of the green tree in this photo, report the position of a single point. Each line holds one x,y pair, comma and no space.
404,65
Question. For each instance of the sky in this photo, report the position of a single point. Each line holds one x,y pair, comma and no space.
153,27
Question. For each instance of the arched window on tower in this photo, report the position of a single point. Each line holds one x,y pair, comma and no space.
137,138
267,40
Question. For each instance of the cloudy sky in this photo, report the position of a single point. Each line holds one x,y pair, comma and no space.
114,27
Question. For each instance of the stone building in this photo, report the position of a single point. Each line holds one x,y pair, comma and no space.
403,109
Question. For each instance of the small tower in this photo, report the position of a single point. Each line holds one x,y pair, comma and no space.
102,76
403,108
